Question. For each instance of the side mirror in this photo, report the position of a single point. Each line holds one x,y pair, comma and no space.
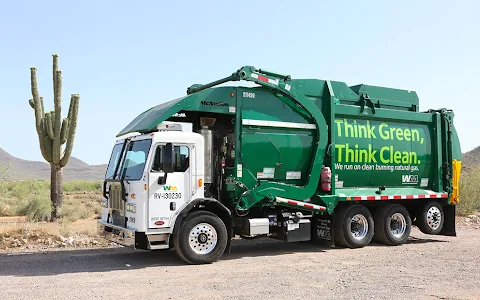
168,158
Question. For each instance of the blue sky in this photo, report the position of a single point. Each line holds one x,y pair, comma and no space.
123,57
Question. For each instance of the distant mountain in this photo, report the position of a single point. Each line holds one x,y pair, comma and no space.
471,158
26,169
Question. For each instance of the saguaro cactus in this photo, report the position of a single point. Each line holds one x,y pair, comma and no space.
53,132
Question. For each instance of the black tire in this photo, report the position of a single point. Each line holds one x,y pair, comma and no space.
430,218
214,226
344,235
394,231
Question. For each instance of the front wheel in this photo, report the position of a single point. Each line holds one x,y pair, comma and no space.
201,239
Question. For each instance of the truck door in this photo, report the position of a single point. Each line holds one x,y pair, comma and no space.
167,196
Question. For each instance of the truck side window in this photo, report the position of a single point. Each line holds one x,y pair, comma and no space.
157,164
182,154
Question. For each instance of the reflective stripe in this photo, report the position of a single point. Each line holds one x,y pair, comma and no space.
398,197
299,203
266,79
278,124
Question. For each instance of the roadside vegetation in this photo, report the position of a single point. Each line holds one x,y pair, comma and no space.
31,198
469,192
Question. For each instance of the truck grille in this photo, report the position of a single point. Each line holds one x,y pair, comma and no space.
116,201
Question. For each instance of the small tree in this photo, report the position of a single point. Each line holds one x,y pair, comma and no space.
53,133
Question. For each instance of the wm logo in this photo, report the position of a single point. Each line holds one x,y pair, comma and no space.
170,188
409,179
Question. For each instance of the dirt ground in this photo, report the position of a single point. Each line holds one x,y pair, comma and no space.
427,267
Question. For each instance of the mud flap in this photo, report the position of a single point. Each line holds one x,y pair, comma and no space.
323,230
449,222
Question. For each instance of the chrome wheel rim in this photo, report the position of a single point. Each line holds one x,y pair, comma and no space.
359,227
202,238
434,217
398,225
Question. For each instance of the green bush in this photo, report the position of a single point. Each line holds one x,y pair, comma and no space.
82,186
469,189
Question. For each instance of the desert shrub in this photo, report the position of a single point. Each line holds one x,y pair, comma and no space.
36,208
81,186
469,192
30,198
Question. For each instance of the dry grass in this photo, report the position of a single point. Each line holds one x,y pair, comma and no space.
81,205
63,228
44,235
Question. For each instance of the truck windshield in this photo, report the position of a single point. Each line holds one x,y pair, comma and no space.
114,158
135,159
133,163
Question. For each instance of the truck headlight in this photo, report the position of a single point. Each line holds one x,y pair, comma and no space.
131,207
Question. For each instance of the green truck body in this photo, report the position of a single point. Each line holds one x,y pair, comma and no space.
272,142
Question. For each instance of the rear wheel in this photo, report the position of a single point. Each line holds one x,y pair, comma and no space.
201,239
431,218
354,226
392,225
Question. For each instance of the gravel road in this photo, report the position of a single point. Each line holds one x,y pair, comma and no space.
427,267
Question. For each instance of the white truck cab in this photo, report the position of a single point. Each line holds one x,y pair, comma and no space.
150,180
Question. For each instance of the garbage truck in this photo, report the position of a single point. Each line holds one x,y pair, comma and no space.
289,159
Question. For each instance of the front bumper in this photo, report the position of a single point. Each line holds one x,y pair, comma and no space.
116,234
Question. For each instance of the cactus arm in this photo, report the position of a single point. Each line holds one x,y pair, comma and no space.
54,68
48,149
38,104
57,117
49,125
70,109
42,140
44,126
42,112
72,126
63,134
